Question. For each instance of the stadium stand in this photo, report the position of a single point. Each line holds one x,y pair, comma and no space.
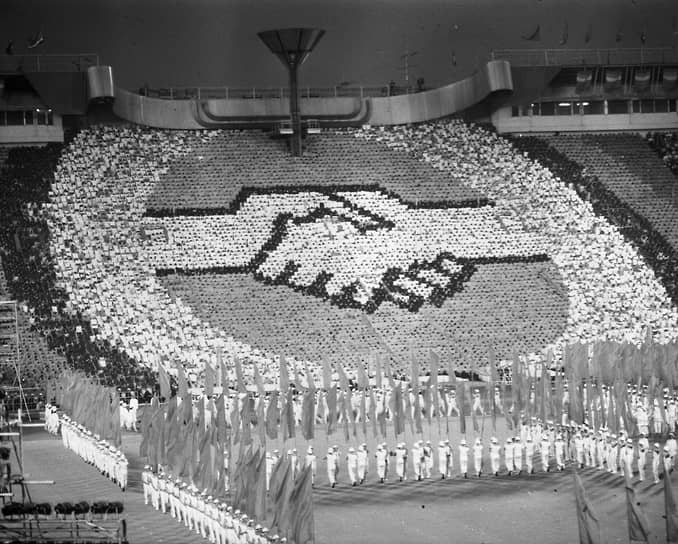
108,174
666,146
50,337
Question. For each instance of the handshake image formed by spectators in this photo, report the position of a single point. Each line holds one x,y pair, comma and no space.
356,249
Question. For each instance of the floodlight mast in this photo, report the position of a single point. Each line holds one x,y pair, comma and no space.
293,46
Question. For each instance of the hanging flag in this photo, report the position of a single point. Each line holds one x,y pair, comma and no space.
433,382
670,509
259,491
535,36
471,399
342,401
331,409
494,379
587,519
397,409
272,414
224,374
564,35
327,373
639,528
181,379
308,415
378,370
209,380
461,398
302,526
363,410
284,377
373,413
222,427
239,376
163,378
589,33
277,477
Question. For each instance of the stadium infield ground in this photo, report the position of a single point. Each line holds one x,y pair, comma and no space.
504,509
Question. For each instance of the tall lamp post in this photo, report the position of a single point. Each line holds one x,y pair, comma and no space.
293,46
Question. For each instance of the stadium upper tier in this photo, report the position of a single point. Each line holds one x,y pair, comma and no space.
167,247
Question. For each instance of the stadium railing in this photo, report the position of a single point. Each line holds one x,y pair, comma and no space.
582,57
77,62
191,93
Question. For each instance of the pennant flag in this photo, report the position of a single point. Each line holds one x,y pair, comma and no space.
670,509
535,36
259,492
363,410
474,419
209,380
308,415
224,373
373,413
277,476
163,378
239,376
342,401
433,381
281,514
327,373
461,397
587,519
301,509
494,378
639,528
331,409
398,422
290,429
182,383
284,376
222,427
272,414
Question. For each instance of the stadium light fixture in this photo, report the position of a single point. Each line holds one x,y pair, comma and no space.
292,46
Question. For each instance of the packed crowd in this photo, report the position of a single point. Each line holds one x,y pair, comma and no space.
666,145
108,270
207,516
110,460
25,183
644,217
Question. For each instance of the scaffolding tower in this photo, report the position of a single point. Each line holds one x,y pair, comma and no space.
10,355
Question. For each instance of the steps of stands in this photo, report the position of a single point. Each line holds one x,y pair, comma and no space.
626,165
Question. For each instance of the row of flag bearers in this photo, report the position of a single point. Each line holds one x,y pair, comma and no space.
208,516
110,461
552,450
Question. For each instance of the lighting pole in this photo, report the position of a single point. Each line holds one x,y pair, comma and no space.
292,46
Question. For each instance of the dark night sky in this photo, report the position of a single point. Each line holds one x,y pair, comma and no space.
213,42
